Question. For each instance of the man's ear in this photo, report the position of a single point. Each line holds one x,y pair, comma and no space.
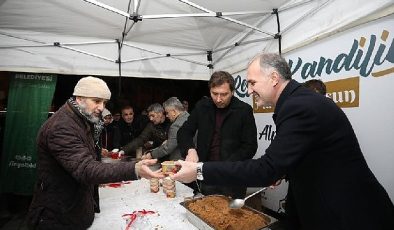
274,78
78,99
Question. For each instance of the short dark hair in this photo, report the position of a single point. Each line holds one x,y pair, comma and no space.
126,107
316,85
221,77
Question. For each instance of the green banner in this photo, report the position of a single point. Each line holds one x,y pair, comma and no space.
29,100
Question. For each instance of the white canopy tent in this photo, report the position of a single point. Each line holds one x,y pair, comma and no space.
188,39
174,39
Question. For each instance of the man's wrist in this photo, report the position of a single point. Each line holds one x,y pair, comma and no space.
137,168
199,171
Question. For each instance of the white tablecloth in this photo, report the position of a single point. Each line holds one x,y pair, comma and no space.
136,196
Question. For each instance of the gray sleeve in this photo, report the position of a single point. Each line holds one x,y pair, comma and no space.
170,145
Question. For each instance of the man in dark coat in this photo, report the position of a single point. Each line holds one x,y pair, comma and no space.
154,133
330,183
68,168
226,130
176,113
128,128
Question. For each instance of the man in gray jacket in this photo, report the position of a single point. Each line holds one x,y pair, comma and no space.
67,165
154,133
169,150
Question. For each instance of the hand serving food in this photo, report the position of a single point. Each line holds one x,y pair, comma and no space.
187,172
142,169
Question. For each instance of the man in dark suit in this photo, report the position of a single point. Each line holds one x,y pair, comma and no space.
330,183
226,131
127,128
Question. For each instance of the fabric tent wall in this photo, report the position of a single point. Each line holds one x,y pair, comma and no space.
169,38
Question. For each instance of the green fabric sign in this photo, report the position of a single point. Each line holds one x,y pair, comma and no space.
29,99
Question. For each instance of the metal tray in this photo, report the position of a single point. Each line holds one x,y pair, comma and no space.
202,225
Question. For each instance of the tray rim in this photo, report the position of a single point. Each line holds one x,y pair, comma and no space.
184,204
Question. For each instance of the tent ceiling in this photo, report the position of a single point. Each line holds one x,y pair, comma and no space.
86,33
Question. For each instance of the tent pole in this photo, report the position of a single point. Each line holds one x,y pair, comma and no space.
119,61
229,48
278,35
209,59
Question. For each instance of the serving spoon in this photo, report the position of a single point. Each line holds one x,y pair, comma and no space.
239,203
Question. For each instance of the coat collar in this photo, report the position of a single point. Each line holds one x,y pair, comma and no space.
181,115
77,116
287,91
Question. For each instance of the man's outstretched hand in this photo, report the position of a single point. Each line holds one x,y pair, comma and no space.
142,169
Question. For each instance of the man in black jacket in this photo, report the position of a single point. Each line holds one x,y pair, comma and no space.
128,128
330,183
226,131
154,133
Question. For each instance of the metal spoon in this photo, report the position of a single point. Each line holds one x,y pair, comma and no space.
198,194
239,203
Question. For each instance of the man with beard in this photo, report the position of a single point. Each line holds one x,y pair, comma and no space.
67,165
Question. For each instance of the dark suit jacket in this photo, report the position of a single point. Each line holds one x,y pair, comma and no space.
330,183
238,134
238,137
156,133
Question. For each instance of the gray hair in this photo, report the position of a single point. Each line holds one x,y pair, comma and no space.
275,61
175,103
156,108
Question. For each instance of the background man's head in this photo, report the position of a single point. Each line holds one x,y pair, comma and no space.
91,95
267,75
173,107
116,115
316,85
185,105
127,114
107,117
156,113
221,87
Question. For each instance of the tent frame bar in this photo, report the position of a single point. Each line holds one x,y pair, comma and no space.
278,35
208,13
240,41
135,17
83,52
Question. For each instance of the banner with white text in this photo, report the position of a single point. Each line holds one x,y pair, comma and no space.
29,100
